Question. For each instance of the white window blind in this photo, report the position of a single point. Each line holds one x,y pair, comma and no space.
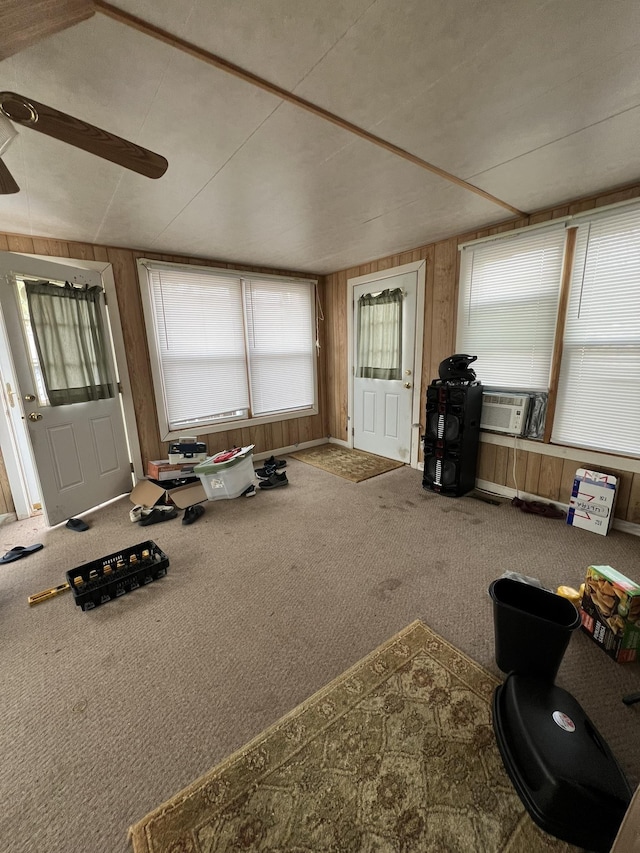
508,306
225,347
281,345
199,330
599,390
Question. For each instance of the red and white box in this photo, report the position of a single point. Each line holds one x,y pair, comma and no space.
593,500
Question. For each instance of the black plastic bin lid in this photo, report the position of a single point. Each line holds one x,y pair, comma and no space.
561,767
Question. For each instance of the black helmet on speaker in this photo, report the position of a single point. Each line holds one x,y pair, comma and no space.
456,368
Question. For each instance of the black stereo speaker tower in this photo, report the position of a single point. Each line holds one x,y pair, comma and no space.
452,437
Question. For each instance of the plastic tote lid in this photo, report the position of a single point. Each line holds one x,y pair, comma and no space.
209,465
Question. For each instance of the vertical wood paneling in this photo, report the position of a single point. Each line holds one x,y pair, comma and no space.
520,469
568,475
18,243
502,459
623,491
549,478
532,472
633,510
57,248
6,501
487,461
443,319
133,332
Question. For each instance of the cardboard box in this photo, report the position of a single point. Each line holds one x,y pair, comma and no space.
593,499
610,611
162,469
146,493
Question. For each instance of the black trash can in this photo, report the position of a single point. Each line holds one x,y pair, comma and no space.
532,628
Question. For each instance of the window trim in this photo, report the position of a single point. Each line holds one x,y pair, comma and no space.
166,433
570,223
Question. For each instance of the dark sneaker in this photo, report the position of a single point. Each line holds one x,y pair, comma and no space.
274,480
157,515
272,462
266,472
192,513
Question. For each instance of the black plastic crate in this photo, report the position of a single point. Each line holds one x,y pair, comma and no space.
110,577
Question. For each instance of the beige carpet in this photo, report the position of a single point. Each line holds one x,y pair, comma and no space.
105,715
354,465
396,754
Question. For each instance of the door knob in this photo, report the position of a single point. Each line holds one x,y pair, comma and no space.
34,416
407,385
30,398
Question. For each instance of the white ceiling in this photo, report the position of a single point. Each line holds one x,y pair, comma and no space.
534,101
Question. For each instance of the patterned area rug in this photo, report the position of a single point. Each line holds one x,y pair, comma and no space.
354,465
394,756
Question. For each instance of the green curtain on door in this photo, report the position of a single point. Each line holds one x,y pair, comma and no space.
70,342
380,335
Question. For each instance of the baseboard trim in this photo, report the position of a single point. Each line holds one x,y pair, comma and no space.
508,492
339,441
291,448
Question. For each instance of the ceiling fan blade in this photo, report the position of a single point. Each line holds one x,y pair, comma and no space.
76,132
7,183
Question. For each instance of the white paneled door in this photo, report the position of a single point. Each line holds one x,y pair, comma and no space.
80,449
384,328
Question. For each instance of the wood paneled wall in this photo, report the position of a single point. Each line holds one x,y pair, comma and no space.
266,437
547,476
552,477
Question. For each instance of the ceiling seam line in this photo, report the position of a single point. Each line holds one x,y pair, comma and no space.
151,30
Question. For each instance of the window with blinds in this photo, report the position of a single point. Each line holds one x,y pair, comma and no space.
508,305
599,389
228,348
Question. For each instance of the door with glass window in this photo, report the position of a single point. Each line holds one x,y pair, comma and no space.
384,322
67,392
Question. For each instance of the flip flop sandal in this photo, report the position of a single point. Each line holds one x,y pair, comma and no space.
192,513
18,552
77,524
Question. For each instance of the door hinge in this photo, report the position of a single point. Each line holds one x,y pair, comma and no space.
353,432
119,387
131,466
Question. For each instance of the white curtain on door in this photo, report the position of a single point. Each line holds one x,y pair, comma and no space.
71,347
380,335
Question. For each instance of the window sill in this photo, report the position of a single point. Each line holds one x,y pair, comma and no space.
565,451
241,423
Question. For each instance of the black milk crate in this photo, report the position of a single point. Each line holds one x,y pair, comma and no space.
109,577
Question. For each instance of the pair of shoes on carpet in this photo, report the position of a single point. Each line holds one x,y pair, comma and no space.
139,513
270,466
538,508
274,480
192,513
19,552
146,515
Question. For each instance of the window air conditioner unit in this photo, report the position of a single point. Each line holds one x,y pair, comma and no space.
504,412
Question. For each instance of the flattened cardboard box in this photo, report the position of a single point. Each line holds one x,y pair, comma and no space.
593,500
610,612
146,493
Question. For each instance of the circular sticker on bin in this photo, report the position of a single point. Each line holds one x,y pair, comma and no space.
562,720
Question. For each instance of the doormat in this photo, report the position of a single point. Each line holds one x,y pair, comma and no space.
398,753
354,465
